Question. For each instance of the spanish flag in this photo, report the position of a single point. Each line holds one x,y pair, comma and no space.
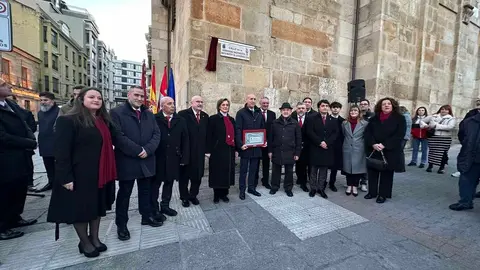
153,94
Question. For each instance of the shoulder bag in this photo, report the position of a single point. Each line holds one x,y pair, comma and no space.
377,164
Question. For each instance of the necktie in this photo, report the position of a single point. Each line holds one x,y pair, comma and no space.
138,114
198,117
168,120
264,115
323,119
300,122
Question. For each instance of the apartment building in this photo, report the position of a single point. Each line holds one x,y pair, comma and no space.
127,74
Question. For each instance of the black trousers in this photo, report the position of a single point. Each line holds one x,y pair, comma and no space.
265,168
220,193
248,166
185,178
12,202
318,177
333,177
166,193
380,183
30,177
144,186
49,163
277,173
353,179
302,169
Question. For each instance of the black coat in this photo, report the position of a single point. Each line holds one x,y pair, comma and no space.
471,113
271,116
17,143
134,135
46,121
221,166
390,133
317,132
285,141
173,149
470,150
197,135
248,120
339,146
77,160
307,114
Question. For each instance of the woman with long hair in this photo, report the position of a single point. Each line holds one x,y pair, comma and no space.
221,151
84,187
383,141
354,163
419,136
442,124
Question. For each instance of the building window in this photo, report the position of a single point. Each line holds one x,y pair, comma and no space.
24,77
67,72
79,61
67,90
79,77
47,83
45,34
84,62
73,58
45,59
87,38
55,62
124,72
124,87
124,65
55,85
26,104
93,55
66,52
124,79
54,38
6,70
73,76
85,78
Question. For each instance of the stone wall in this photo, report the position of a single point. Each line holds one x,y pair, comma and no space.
181,52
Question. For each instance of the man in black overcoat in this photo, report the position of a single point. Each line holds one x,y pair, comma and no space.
172,154
269,116
135,157
338,165
197,124
17,142
301,164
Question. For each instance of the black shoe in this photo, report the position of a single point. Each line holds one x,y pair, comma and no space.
272,191
185,203
289,193
441,171
411,164
22,223
421,166
348,193
477,195
216,200
242,195
429,169
369,196
312,193
9,234
323,194
194,201
267,186
151,222
101,248
333,188
225,199
158,216
93,254
460,207
381,199
255,193
304,188
47,187
123,233
168,211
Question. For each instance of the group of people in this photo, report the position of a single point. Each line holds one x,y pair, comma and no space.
86,149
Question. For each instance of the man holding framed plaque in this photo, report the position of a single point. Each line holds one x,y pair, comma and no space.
250,137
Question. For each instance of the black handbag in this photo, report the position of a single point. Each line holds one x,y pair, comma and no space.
377,164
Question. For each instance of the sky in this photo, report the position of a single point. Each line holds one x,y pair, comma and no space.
122,25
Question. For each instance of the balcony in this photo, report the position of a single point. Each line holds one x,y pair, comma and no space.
19,82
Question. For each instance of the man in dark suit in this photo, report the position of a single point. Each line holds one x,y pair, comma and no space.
135,157
301,164
16,144
336,108
308,105
269,116
197,124
322,131
172,154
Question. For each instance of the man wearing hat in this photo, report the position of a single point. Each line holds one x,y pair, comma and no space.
284,147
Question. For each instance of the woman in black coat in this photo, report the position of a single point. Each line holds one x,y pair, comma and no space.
221,151
384,133
84,187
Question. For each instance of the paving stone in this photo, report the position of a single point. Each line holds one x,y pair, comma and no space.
371,235
360,262
219,220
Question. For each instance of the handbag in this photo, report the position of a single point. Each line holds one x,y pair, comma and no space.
430,132
377,164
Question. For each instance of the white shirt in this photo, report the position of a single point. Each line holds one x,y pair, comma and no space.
224,114
3,103
171,116
301,117
195,113
266,114
334,116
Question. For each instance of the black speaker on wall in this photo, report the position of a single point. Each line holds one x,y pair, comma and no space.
356,91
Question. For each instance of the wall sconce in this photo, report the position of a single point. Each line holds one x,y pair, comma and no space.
467,13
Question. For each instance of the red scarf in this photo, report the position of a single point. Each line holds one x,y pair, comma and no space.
107,169
384,116
229,131
353,124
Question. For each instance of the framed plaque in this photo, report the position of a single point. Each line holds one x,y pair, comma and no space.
254,137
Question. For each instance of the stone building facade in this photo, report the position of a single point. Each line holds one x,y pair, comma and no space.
416,51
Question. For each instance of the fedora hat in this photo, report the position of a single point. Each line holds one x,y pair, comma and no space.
286,105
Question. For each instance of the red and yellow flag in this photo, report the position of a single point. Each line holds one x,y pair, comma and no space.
153,92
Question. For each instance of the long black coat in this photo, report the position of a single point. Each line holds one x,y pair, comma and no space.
390,133
197,135
271,116
174,147
77,160
17,143
470,143
134,135
248,120
338,165
46,121
221,168
285,141
317,132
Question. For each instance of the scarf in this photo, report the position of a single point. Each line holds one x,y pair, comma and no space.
229,131
107,170
384,116
353,124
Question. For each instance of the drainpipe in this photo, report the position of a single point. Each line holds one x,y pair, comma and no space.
355,38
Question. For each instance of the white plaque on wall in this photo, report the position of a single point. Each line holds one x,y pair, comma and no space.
235,50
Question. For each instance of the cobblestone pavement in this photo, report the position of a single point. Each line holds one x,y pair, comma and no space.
414,230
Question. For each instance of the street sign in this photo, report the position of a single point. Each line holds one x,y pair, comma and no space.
6,40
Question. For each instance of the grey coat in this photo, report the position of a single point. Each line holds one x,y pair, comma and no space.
354,161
